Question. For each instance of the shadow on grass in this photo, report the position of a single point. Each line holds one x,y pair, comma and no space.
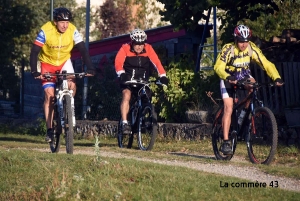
90,144
192,155
19,140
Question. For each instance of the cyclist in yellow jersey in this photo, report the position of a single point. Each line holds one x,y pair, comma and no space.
53,46
233,64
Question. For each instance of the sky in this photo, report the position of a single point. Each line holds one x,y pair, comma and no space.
92,2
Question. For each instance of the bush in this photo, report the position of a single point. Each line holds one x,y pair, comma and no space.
186,91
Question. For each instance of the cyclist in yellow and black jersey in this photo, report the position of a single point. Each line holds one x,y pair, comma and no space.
233,64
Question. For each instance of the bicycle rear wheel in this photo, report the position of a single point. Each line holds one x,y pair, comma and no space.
217,137
68,117
147,127
262,137
125,140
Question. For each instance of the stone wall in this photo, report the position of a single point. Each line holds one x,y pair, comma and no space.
186,131
88,129
172,131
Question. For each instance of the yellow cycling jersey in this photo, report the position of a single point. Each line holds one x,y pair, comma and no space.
233,62
56,46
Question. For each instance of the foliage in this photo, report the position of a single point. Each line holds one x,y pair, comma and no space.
147,14
187,14
186,90
115,18
104,95
266,26
79,15
118,17
35,127
15,21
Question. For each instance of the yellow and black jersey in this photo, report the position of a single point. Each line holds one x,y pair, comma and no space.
233,62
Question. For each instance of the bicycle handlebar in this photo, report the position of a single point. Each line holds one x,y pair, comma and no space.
256,84
142,82
48,76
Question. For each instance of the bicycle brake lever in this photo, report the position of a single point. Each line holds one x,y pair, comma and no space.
158,82
81,75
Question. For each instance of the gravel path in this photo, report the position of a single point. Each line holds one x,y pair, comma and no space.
243,172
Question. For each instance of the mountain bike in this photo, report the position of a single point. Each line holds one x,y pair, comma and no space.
64,110
258,127
141,117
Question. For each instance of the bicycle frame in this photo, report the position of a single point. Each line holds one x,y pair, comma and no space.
61,91
252,97
137,105
63,98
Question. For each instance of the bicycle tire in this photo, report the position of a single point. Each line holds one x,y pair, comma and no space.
125,140
69,131
57,130
147,127
262,136
217,137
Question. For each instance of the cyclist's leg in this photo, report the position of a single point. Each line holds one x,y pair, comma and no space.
226,120
48,104
71,82
226,92
124,108
49,98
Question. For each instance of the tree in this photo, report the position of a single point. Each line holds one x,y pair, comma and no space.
15,21
147,14
115,18
266,26
187,13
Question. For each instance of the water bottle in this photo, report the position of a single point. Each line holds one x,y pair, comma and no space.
241,117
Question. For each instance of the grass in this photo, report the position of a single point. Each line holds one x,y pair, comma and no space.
34,175
28,175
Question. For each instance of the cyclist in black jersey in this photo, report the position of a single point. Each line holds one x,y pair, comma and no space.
133,61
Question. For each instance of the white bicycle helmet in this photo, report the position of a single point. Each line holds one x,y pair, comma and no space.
242,33
138,36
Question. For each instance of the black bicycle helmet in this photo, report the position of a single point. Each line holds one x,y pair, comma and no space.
62,14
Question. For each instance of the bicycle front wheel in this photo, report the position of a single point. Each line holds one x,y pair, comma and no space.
217,137
262,136
68,117
57,130
147,127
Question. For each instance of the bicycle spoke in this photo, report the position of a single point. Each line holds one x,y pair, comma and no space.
262,140
148,128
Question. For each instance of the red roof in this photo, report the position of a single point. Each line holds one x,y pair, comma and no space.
114,43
